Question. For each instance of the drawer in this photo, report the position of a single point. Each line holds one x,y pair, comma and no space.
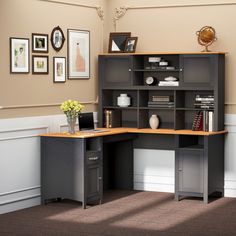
93,157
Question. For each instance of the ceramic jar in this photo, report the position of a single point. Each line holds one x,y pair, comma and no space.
154,122
123,100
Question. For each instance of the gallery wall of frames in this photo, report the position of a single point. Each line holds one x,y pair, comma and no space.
75,66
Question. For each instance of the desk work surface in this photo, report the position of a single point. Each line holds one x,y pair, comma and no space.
113,131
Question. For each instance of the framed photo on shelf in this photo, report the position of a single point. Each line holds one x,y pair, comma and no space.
59,69
78,54
39,64
19,55
117,41
130,44
57,38
40,43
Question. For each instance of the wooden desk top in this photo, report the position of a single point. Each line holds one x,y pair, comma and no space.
113,131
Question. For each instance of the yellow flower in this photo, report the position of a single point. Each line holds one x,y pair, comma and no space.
71,108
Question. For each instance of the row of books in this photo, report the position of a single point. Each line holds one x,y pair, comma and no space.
204,101
112,118
203,121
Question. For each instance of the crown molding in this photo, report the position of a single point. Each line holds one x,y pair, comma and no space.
99,9
121,11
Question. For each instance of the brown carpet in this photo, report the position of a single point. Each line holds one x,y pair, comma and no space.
125,213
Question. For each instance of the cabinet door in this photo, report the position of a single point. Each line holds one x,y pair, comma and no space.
190,171
94,181
198,70
115,70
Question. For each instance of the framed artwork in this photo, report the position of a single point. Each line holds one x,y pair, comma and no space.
39,64
19,55
130,44
40,43
57,38
78,54
117,41
59,69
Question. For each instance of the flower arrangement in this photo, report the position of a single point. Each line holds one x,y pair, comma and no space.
71,108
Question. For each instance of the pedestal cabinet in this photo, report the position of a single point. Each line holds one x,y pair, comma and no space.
71,168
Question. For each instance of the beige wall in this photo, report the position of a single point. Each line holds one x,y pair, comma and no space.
20,18
158,29
173,29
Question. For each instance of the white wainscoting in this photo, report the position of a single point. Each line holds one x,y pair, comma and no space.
230,156
20,161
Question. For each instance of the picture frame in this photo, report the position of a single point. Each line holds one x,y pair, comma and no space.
57,38
19,55
78,54
39,64
59,69
130,44
117,41
39,43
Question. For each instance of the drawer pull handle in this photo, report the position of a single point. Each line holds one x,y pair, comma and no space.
93,158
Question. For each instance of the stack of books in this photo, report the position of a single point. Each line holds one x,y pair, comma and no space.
161,102
168,83
203,121
204,101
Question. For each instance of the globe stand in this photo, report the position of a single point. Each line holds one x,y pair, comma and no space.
206,36
206,49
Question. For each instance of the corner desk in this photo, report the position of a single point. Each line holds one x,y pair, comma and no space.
79,167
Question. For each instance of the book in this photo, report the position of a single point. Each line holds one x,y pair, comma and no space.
210,121
202,97
159,98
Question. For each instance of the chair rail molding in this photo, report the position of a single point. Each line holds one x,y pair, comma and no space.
44,105
121,11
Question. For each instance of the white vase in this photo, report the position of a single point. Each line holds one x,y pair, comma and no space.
154,122
123,100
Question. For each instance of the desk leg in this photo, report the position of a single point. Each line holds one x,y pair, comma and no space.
205,198
177,198
84,204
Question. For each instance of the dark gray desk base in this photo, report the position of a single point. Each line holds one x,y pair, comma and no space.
72,168
79,169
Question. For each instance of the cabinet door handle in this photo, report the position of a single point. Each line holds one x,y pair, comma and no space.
100,178
181,69
129,70
93,158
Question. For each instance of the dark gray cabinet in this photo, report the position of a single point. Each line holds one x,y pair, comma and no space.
190,170
199,167
198,74
71,168
116,70
198,70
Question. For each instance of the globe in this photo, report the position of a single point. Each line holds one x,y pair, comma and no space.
206,36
